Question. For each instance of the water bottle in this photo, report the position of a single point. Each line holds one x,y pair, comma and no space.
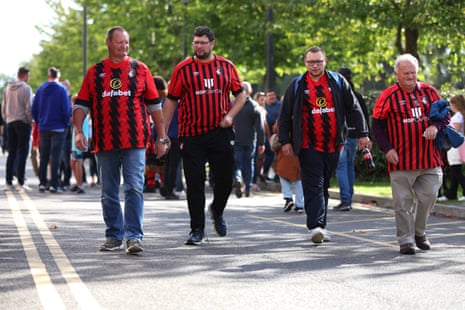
368,158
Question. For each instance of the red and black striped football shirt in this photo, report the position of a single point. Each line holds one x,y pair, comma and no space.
319,116
117,95
203,90
406,114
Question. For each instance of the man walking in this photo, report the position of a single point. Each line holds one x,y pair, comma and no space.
202,84
118,92
16,111
312,124
405,134
51,109
250,133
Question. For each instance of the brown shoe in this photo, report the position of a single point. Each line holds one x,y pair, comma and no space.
423,243
407,248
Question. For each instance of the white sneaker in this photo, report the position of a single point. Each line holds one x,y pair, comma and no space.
461,198
24,187
317,235
326,236
442,198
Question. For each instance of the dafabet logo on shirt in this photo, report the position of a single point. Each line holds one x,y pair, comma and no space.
115,85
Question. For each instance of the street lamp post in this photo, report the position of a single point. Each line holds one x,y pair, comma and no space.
270,73
84,40
184,29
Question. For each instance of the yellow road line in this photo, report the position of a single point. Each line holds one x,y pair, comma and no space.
47,292
385,244
79,290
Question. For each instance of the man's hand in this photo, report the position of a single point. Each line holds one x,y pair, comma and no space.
392,157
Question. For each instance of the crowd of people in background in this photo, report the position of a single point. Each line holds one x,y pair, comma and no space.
38,125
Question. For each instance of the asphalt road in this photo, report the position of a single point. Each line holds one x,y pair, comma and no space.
49,258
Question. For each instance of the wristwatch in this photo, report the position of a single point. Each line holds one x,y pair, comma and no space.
164,140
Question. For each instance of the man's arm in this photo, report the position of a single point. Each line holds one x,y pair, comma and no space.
169,106
78,118
239,102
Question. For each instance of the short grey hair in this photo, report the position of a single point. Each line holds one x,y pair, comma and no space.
406,58
247,87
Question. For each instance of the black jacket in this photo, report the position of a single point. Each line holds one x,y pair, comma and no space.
348,111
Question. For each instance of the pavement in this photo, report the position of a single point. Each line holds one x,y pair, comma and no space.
49,257
453,209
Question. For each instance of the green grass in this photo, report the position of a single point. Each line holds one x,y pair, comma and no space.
382,189
379,188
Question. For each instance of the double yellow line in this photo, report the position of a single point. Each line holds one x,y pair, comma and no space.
48,294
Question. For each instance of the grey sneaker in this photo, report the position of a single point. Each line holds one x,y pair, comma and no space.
111,245
133,246
9,188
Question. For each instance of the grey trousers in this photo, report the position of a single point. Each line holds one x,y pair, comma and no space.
414,193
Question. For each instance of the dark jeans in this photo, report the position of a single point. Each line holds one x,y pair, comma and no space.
19,135
244,155
269,157
65,167
216,147
456,178
316,171
51,147
173,160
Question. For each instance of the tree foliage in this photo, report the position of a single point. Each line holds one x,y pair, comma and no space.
365,35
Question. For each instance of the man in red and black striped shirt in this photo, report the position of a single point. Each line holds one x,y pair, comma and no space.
202,85
316,110
118,92
405,134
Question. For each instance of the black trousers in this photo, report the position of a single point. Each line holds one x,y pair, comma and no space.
216,148
173,160
456,178
316,169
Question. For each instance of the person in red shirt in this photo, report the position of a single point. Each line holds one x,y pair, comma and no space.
316,110
201,85
118,92
405,134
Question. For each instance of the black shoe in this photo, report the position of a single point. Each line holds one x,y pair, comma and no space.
195,237
219,225
237,187
171,196
343,206
288,205
423,243
407,248
148,189
163,191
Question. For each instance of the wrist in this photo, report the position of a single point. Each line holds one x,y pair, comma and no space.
163,140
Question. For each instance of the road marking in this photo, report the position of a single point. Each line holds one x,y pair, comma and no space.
79,290
346,235
47,292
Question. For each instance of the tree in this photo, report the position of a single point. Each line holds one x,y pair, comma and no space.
364,35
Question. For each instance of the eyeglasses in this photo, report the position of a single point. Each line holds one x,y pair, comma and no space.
200,43
315,62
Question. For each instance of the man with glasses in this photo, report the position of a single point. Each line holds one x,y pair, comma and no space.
201,85
316,108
